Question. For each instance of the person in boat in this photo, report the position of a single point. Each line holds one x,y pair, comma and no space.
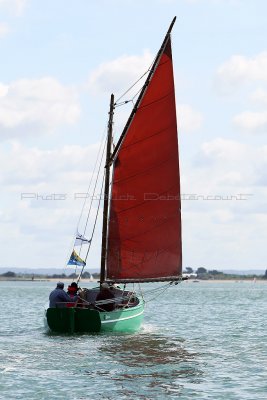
72,292
58,296
72,289
105,294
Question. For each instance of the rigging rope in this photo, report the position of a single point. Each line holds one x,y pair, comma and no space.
161,290
96,181
91,203
79,277
134,84
91,180
102,146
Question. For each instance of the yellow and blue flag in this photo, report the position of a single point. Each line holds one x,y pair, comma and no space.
75,259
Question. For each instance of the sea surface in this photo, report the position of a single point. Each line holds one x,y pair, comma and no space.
199,341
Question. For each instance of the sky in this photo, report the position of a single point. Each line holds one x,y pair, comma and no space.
61,60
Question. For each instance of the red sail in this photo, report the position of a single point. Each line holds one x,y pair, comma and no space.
144,239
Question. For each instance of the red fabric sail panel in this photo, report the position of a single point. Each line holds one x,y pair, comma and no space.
144,239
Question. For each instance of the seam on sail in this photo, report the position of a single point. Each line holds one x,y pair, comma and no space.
158,252
146,201
130,239
146,138
155,101
145,170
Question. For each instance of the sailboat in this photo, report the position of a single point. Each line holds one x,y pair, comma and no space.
141,234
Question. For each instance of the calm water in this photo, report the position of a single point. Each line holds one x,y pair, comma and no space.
209,343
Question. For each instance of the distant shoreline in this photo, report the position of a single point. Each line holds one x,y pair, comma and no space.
66,280
17,279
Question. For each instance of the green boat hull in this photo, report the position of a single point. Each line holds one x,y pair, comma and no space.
83,320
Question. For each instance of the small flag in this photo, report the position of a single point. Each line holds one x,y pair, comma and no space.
76,260
80,239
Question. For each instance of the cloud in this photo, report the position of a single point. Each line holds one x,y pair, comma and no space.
119,74
3,90
14,6
4,29
252,122
259,96
39,202
221,149
189,120
36,105
240,70
229,165
229,185
33,169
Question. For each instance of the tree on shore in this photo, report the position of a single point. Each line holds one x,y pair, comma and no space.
189,270
9,274
201,270
215,272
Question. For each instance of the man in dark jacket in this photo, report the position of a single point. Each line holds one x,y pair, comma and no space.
58,295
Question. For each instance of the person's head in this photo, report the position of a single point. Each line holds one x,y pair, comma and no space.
73,288
104,286
60,285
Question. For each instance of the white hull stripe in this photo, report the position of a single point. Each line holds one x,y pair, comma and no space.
121,319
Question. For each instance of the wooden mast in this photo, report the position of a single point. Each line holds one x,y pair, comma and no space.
106,192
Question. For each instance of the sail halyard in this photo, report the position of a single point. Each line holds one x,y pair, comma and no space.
106,192
144,242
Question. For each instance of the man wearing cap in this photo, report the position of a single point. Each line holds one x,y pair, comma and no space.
58,295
